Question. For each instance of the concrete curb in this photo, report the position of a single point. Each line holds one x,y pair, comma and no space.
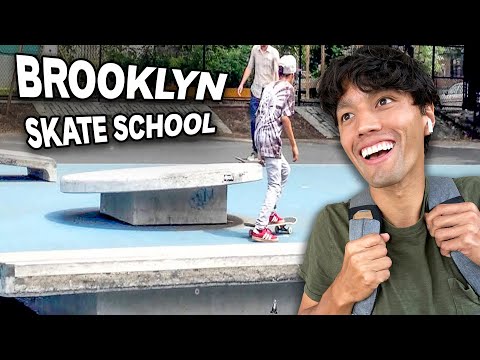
454,144
449,144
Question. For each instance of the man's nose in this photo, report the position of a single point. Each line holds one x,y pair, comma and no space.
368,122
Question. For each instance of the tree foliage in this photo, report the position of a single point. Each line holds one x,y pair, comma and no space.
229,59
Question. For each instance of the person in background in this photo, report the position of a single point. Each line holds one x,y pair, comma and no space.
263,62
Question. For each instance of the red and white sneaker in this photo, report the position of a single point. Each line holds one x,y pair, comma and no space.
275,219
264,235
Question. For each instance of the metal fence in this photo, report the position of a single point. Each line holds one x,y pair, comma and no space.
185,57
444,63
216,59
447,73
7,64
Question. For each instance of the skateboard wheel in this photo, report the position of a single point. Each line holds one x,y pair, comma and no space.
277,229
250,232
290,230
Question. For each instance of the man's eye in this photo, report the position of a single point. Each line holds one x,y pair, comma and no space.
346,117
384,101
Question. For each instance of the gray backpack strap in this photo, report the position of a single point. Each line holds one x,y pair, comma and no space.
364,218
444,191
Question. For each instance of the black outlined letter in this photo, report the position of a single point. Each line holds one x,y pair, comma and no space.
24,76
49,78
102,80
75,68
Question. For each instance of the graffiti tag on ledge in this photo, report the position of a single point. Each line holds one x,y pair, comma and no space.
201,198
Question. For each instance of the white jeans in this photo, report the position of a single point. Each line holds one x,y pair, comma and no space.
277,174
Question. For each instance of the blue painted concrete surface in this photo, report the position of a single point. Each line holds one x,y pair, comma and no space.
35,215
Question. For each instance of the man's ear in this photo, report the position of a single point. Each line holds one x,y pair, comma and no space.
429,118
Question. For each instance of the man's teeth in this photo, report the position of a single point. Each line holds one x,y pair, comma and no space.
384,145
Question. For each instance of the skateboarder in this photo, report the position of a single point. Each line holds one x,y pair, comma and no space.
273,116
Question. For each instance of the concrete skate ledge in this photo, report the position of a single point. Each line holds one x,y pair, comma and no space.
41,167
164,195
43,273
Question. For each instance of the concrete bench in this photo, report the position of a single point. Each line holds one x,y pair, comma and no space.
41,167
164,195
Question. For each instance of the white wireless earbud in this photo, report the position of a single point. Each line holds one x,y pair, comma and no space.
430,126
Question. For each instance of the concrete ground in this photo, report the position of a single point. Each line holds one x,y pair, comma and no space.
446,148
205,149
47,219
59,254
53,239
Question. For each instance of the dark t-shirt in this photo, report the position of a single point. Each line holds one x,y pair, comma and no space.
422,281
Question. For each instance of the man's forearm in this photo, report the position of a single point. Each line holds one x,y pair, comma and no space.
245,76
287,125
331,303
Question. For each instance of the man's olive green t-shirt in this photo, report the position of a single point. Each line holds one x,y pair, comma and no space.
422,281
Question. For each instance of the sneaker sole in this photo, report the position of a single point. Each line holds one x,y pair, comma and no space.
263,240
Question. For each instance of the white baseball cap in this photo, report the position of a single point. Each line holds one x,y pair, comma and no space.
289,64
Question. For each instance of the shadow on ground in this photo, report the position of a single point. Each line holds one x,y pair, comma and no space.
92,218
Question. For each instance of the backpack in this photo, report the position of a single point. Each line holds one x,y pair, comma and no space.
365,218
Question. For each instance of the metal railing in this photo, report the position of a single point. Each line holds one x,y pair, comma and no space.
446,62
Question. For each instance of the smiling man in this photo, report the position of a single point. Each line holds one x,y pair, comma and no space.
383,103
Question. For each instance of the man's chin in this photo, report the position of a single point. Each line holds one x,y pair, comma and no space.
382,179
375,174
382,182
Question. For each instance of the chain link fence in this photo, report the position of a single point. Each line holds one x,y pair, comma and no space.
7,64
185,57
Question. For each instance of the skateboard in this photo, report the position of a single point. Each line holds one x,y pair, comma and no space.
245,160
284,228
